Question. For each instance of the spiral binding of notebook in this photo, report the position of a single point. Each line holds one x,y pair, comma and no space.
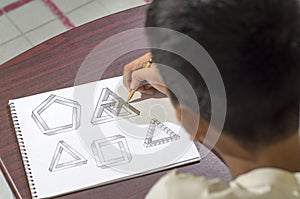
23,150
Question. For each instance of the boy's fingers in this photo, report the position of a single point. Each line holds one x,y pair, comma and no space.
147,89
141,88
139,76
127,79
150,91
132,66
148,86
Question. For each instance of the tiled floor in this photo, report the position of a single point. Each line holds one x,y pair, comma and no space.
27,23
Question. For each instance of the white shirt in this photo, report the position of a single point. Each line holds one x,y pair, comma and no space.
266,183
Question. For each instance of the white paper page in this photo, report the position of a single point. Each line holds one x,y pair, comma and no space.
72,145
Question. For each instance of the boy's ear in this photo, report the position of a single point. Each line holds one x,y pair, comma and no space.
192,122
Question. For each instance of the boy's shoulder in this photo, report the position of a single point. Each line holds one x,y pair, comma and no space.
259,183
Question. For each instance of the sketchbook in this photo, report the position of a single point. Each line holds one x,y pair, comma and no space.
88,135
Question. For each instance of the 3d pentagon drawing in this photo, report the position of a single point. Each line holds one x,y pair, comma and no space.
57,115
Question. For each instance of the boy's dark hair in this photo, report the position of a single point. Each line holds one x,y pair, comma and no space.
255,45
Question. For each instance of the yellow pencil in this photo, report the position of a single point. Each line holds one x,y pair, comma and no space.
148,64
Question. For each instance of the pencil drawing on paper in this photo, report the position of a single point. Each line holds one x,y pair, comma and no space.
154,123
111,151
58,163
111,107
72,121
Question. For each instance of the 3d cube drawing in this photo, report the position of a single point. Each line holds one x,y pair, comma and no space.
111,151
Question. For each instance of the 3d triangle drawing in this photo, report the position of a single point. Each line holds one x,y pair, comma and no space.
170,135
111,107
74,159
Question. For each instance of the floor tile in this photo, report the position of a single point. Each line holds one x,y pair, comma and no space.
69,5
36,21
8,30
13,48
113,6
31,15
4,3
87,13
46,32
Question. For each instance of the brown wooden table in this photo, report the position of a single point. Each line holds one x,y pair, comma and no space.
53,65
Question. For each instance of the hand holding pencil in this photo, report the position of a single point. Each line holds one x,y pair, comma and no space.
148,64
143,76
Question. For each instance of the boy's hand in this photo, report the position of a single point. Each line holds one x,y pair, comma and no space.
145,80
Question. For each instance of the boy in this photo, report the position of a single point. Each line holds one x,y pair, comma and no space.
255,45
